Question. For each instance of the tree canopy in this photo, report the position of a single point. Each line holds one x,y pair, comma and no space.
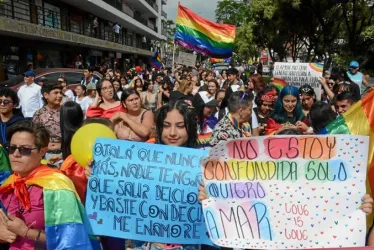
302,29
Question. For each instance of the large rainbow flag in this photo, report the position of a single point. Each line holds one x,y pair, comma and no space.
203,36
63,212
358,120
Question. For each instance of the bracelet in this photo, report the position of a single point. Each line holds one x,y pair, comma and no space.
28,229
38,236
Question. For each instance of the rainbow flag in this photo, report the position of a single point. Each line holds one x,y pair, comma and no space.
5,170
358,120
63,212
279,83
203,36
156,60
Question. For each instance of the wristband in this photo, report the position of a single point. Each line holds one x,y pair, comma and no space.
38,236
28,228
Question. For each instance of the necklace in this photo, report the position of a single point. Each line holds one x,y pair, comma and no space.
20,209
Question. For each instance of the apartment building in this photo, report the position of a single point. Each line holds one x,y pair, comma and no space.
72,33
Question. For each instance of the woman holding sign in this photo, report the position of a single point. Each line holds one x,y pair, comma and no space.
35,194
176,126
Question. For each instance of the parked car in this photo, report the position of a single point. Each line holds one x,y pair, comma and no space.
72,76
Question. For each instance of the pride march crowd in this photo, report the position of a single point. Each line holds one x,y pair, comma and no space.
43,187
45,179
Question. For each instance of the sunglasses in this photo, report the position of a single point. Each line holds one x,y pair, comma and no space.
22,150
5,102
60,81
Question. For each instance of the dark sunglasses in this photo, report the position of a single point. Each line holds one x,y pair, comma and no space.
60,81
22,150
5,102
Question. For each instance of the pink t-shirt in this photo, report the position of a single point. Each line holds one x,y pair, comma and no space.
36,213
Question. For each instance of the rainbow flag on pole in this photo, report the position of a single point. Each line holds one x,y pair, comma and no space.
358,120
156,59
203,36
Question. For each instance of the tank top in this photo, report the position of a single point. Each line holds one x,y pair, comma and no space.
149,104
357,78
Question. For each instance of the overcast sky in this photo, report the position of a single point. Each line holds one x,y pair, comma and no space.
204,8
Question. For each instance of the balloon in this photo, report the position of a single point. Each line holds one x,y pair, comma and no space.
138,69
84,139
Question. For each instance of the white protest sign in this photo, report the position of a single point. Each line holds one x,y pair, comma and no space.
186,59
298,74
284,192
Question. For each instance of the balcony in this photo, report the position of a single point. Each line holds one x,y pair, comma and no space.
151,25
127,10
63,25
152,4
164,2
163,13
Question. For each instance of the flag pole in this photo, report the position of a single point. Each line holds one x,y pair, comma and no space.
173,54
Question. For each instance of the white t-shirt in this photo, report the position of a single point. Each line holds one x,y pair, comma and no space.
69,93
30,99
116,28
83,103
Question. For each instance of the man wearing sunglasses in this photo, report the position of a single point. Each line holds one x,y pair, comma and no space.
8,102
356,76
30,96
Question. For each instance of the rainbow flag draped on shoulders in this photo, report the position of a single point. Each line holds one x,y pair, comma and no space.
203,36
63,212
358,120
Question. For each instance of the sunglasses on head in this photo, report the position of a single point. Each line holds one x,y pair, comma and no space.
22,150
242,98
5,102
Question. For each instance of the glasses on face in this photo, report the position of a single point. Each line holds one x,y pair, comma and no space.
22,150
60,81
5,102
107,88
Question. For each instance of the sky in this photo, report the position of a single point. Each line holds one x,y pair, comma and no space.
204,8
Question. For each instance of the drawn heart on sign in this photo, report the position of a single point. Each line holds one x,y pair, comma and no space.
92,216
100,222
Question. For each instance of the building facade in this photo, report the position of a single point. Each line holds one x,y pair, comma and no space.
77,33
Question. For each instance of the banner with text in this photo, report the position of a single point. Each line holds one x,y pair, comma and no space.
146,192
286,192
186,59
298,74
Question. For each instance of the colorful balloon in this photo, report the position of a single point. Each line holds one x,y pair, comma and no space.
84,139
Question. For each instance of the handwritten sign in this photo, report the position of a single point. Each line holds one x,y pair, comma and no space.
298,74
146,192
186,59
284,192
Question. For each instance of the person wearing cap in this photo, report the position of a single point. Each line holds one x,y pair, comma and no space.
308,97
264,101
356,76
91,94
205,104
30,95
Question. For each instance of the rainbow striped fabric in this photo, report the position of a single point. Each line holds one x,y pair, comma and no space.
156,59
203,36
358,120
279,83
5,170
63,212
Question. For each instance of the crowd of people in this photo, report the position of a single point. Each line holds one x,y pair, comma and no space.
184,107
